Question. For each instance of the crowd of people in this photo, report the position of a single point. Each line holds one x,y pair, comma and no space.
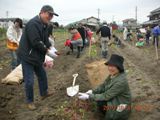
144,36
30,47
81,37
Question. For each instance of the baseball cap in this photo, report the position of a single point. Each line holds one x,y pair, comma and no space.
48,8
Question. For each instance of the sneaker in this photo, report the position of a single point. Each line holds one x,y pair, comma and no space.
31,106
47,95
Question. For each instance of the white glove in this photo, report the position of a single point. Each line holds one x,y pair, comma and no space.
52,52
89,92
121,107
83,96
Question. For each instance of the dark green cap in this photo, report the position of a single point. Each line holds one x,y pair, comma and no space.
48,8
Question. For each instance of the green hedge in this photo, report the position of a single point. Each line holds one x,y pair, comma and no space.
2,33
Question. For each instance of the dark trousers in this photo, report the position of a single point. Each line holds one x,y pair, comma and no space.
78,50
28,76
147,40
156,39
84,42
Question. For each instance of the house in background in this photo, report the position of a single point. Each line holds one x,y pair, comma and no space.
6,22
154,18
91,22
130,23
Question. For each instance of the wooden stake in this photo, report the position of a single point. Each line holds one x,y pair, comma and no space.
156,48
90,45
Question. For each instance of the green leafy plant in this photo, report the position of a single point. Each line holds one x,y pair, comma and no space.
93,51
74,109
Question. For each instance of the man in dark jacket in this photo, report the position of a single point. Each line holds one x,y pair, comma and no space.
105,37
34,45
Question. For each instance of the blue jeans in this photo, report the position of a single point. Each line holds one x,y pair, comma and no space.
28,76
15,61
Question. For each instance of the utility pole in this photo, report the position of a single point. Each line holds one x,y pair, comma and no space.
112,18
136,14
7,13
98,13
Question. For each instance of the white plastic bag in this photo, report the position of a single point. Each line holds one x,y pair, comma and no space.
48,63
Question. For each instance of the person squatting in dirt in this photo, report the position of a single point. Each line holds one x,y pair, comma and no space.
33,47
117,41
113,93
14,34
129,35
105,37
76,41
140,39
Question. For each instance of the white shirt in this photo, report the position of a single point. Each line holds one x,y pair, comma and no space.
14,34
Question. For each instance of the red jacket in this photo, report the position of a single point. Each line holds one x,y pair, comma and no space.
76,36
68,42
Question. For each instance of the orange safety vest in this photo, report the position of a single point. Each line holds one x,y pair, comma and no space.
11,45
76,36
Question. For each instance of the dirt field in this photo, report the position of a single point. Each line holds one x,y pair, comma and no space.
143,74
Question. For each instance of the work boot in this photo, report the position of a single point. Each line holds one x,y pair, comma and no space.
31,106
47,95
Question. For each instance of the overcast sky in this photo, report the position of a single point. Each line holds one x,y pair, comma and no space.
74,10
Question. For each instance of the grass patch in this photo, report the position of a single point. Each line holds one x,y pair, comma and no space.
2,33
